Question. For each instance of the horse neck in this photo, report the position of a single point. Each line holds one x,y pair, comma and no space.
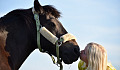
20,42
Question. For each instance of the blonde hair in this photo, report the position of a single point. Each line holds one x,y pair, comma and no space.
97,57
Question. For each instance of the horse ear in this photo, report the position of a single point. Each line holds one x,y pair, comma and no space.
38,8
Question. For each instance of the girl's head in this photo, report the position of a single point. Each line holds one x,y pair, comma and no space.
95,56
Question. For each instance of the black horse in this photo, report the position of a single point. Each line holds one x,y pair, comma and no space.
18,36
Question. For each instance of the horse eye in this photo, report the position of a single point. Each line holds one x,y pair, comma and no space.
52,24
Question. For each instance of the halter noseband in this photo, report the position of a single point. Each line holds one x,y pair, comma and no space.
50,37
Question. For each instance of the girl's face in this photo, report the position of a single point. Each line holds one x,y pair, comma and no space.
83,55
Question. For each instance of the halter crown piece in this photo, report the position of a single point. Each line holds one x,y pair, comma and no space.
50,37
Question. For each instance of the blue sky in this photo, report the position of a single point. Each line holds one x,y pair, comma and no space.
89,20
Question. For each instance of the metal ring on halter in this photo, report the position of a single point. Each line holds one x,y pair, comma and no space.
59,43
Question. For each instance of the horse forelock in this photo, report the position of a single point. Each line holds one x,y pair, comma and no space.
49,9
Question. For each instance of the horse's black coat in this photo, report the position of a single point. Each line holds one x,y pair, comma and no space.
20,37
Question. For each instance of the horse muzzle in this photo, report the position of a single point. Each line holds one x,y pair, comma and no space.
69,53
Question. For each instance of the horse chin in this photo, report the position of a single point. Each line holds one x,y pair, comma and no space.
66,60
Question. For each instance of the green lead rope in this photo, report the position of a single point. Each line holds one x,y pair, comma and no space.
58,59
58,44
58,63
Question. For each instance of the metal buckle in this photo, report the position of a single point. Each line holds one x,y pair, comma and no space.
59,43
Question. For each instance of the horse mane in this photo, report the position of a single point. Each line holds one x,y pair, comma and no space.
3,36
49,9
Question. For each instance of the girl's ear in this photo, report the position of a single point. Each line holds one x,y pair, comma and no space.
38,8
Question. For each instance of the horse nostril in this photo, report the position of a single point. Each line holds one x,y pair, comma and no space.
76,50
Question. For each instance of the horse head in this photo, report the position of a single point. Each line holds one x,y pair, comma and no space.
48,16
